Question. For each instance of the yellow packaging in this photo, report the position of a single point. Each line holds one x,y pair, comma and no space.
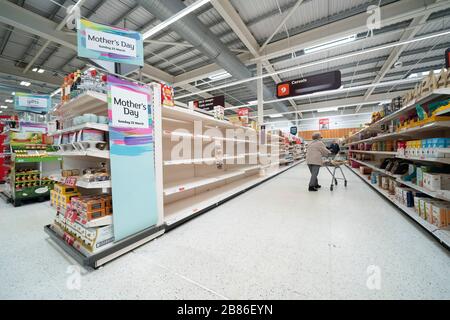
63,189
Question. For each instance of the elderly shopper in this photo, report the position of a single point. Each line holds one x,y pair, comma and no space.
316,150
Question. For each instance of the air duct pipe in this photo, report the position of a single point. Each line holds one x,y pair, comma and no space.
195,32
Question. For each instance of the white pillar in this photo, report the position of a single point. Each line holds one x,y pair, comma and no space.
259,94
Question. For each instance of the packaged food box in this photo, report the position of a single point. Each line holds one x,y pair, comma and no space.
365,170
95,214
441,214
64,189
436,181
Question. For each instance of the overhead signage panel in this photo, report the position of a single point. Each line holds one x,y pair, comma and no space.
101,42
307,85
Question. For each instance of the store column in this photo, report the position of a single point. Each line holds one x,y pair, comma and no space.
259,94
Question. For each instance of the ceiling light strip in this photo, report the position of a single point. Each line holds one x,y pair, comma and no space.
174,18
320,62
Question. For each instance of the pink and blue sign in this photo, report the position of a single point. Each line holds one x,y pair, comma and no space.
131,138
36,103
97,41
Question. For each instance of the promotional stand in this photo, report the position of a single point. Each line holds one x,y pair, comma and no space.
115,149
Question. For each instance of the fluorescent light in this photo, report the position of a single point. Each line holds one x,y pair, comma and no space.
277,115
13,93
219,76
174,18
330,44
55,92
412,75
328,109
41,71
34,69
25,83
4,107
319,62
253,102
9,101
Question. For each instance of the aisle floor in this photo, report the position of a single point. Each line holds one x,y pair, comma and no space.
277,241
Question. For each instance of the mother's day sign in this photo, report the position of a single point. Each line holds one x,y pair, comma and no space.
97,41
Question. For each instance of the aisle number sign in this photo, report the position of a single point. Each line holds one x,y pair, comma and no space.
97,41
32,102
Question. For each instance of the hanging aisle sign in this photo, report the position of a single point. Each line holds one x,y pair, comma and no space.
310,84
324,124
293,131
36,103
131,139
97,41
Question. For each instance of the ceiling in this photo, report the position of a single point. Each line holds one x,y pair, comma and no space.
169,58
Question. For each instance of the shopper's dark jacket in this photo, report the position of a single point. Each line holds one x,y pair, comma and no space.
334,148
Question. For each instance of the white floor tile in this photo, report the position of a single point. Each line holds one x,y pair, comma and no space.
277,241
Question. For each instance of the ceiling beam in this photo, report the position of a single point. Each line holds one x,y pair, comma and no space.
41,77
233,19
33,23
392,13
409,34
30,22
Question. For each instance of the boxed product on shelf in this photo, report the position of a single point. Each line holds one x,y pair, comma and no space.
365,170
436,181
441,214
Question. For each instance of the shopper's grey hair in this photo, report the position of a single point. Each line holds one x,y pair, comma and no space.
316,136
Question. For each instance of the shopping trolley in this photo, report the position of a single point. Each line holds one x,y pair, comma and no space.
332,163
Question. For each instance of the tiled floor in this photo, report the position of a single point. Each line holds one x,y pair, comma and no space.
277,241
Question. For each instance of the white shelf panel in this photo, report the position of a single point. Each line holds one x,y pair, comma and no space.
203,160
434,194
373,167
88,125
393,153
179,113
196,182
104,154
184,208
170,134
436,160
88,102
442,234
83,184
428,97
433,126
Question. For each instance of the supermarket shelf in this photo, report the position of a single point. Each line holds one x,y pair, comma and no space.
375,152
183,210
88,102
196,182
443,235
88,125
202,160
192,115
119,248
435,194
435,160
411,105
373,167
445,112
169,134
83,184
433,126
90,153
38,159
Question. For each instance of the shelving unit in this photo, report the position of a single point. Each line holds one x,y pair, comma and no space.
433,128
442,235
193,185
